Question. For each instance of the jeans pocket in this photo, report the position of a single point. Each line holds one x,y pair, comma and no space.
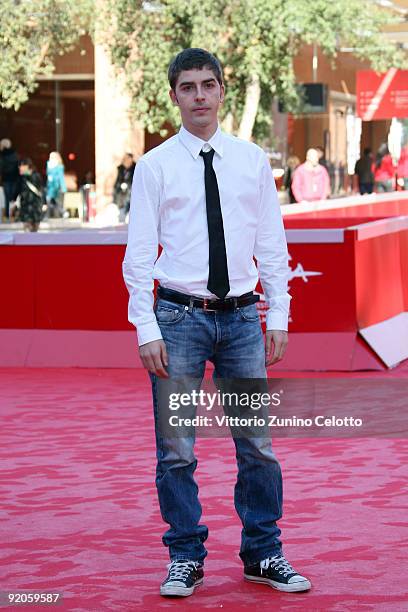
169,314
249,313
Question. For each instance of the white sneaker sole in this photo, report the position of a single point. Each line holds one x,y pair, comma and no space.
179,591
295,587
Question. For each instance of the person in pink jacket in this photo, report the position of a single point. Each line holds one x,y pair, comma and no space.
402,168
311,180
384,170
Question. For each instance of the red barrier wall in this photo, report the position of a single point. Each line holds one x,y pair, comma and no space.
379,278
343,280
64,287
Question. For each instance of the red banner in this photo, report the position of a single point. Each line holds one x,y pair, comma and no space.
382,96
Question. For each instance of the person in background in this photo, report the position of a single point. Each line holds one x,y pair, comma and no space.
326,163
56,187
9,173
363,170
123,185
384,170
311,180
402,168
87,184
292,163
31,196
322,157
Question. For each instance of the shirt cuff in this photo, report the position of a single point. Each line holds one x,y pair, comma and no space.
148,333
276,320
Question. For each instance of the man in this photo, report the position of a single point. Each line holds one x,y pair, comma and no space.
328,165
9,173
210,200
311,180
364,172
322,157
123,185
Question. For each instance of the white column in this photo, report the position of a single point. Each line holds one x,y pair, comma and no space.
115,132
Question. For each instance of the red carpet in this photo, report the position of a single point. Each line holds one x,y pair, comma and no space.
80,516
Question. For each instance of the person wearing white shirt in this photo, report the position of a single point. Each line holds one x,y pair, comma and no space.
209,200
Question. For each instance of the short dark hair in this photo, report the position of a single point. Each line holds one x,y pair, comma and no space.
191,59
27,161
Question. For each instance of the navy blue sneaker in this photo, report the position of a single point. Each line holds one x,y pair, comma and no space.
183,577
278,573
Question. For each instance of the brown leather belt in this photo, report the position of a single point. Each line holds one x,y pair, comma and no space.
230,303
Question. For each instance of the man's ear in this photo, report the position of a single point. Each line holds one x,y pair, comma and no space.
173,97
222,93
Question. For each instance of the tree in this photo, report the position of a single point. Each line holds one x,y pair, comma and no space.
255,40
31,35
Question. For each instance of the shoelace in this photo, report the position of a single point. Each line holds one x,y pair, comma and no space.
180,569
277,562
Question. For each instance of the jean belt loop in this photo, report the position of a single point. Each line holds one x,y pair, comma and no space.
235,303
190,306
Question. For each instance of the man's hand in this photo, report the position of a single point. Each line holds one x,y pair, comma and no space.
275,345
154,357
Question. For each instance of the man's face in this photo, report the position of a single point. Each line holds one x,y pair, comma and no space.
127,161
24,169
198,95
313,157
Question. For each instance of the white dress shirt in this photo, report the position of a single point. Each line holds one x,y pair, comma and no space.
168,207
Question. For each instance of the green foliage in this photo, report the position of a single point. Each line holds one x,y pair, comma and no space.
248,36
32,33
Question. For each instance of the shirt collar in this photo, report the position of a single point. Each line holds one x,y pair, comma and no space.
195,144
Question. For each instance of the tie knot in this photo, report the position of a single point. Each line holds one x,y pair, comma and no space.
207,155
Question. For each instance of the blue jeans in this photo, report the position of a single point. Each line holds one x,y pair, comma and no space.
233,342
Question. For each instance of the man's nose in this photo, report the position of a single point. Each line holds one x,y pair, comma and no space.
199,94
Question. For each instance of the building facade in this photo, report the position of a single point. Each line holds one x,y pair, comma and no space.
82,111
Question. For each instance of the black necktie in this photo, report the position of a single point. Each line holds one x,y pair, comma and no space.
218,282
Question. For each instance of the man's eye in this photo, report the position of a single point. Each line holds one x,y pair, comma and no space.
187,88
209,85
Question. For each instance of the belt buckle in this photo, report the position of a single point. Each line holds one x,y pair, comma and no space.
205,305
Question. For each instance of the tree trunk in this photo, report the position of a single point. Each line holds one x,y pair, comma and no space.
43,53
252,97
